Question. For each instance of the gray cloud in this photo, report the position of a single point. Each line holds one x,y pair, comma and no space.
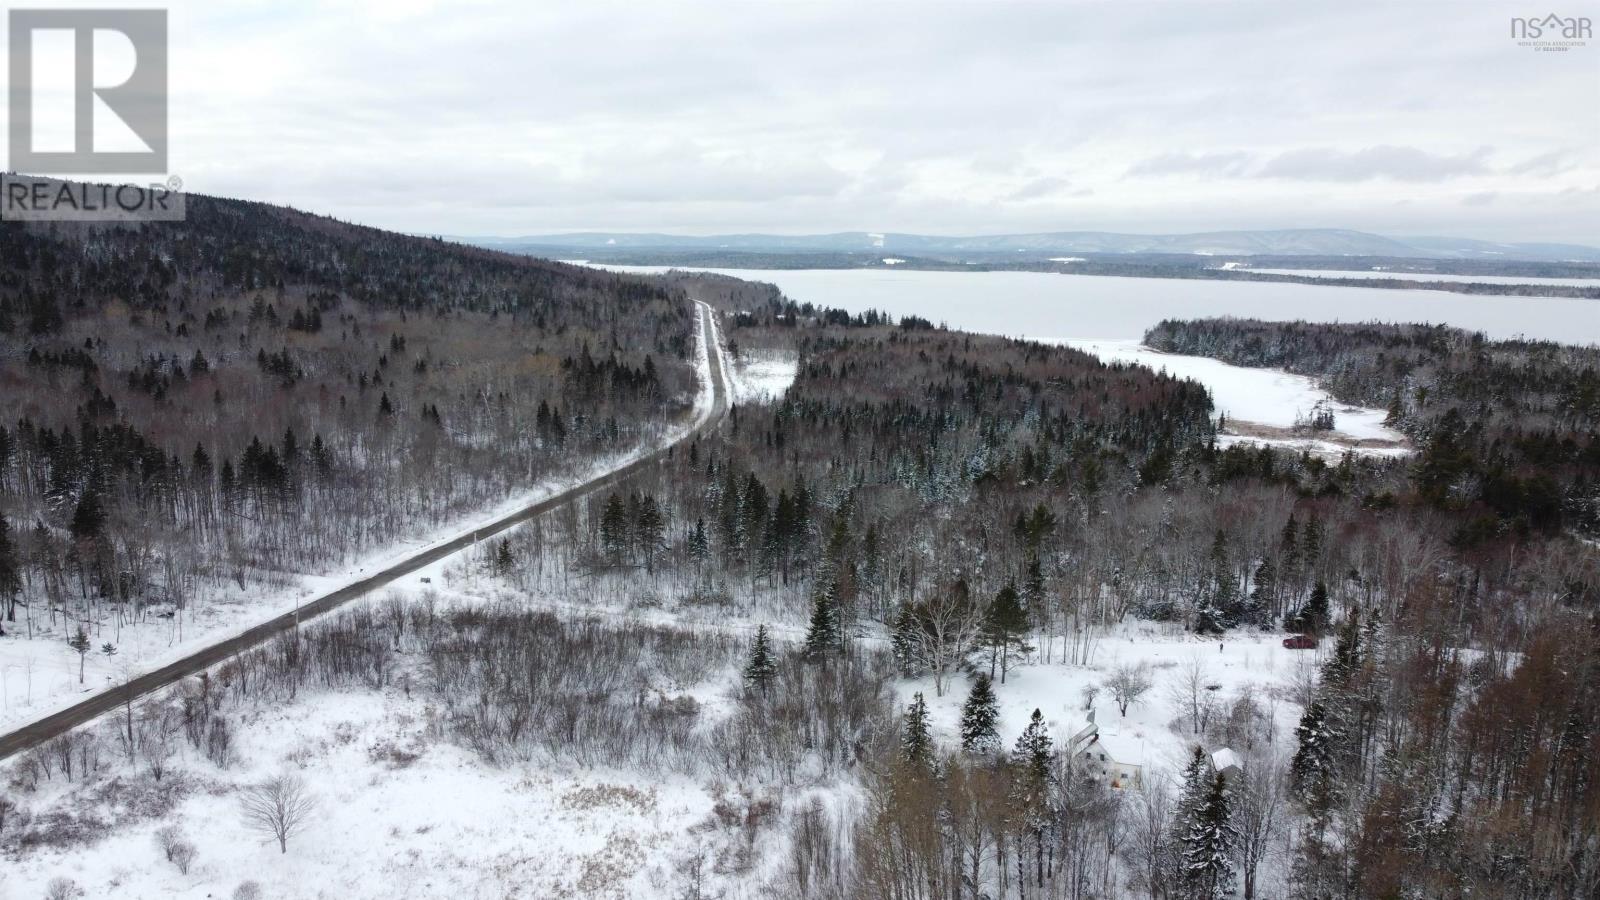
1393,163
1039,188
693,116
1555,162
1192,164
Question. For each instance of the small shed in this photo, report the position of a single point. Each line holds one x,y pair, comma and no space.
1226,763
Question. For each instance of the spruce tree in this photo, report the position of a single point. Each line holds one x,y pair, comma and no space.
824,635
979,716
9,578
1311,772
614,529
1208,619
903,640
916,744
699,546
1035,752
504,559
1316,615
79,643
1190,794
1263,592
88,519
762,668
1208,846
1005,626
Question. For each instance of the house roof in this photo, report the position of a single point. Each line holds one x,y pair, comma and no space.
1225,759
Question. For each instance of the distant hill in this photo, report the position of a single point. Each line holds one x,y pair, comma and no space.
1289,242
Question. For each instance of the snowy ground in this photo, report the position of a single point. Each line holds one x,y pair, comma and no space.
402,814
39,676
1271,398
762,376
1156,733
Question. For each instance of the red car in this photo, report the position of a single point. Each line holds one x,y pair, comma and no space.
1300,642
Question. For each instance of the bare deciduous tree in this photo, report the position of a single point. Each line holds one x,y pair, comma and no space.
175,847
1258,813
1127,684
279,807
1192,691
62,888
951,625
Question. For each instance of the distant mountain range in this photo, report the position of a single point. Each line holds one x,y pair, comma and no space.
1291,242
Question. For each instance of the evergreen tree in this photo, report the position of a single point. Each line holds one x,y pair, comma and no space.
1208,619
1289,544
9,569
1312,770
79,642
1033,583
1033,760
1341,666
1034,753
903,640
1224,595
1317,612
1311,541
979,716
1005,627
1208,845
1196,773
649,529
89,518
762,667
1263,592
825,633
916,744
698,545
614,529
504,559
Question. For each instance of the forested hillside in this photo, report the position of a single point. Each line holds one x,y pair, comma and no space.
256,393
1508,430
984,504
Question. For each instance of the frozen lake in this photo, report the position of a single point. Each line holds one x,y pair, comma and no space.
1108,316
1088,307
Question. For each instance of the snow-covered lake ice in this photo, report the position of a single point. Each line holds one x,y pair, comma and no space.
1269,397
1086,307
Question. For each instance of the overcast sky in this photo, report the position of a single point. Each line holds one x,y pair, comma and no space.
461,118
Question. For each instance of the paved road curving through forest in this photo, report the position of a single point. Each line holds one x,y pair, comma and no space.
41,730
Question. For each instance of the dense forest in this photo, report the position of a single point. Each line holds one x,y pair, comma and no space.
255,393
1508,430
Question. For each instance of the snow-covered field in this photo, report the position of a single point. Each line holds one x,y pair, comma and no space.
1156,733
762,376
399,814
1269,397
403,812
40,675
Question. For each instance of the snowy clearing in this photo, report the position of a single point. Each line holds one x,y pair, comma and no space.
1268,397
762,376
